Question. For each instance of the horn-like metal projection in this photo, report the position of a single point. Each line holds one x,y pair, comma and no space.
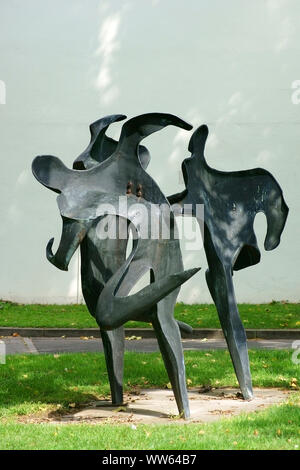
231,201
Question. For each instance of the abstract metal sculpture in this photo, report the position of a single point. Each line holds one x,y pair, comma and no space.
89,199
107,277
231,201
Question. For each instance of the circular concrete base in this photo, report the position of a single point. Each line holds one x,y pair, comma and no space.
159,407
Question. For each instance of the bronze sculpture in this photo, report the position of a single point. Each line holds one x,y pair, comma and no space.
90,194
231,201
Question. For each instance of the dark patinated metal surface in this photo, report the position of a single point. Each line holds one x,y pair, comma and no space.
89,200
107,278
100,258
231,201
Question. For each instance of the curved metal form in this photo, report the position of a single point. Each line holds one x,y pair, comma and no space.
231,201
101,146
82,196
109,186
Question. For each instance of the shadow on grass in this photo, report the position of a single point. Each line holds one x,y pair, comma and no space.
29,383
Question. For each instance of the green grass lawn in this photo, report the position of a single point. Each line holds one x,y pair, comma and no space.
272,315
39,385
276,428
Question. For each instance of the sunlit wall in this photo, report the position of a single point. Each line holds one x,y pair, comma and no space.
63,64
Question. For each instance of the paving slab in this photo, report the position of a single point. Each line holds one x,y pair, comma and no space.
157,406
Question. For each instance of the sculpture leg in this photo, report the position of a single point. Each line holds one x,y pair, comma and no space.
113,344
219,281
169,340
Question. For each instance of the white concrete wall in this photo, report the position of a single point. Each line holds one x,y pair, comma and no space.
63,64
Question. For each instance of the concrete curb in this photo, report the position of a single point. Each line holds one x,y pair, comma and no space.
198,333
